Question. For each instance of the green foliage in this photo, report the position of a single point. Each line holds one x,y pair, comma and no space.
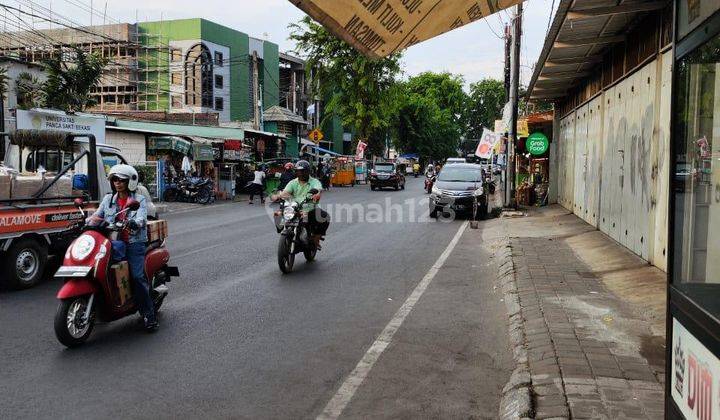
445,89
425,129
358,87
28,91
487,99
429,115
68,86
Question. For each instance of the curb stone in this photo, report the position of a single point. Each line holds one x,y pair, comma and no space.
516,400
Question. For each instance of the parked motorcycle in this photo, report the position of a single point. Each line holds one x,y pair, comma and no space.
294,235
190,190
90,291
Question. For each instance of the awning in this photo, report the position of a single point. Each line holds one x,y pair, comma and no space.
582,32
177,144
378,28
410,156
162,129
320,149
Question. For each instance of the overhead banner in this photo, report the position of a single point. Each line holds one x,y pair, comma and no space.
378,28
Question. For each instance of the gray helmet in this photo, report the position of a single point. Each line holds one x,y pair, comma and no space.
302,165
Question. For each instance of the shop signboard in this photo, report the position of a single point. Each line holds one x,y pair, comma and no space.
522,128
217,151
169,143
537,144
203,152
695,376
38,119
500,126
235,150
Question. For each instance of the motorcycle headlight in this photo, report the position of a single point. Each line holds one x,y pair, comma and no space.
289,213
480,191
82,247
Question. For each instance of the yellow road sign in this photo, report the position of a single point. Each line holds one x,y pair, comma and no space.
316,135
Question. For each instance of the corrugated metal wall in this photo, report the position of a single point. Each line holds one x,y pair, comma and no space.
613,159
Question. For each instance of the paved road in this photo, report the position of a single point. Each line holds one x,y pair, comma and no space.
240,340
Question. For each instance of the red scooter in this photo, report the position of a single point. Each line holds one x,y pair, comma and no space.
90,292
429,182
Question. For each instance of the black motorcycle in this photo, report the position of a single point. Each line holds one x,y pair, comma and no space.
294,236
190,190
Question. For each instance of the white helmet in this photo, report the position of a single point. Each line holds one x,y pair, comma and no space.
124,172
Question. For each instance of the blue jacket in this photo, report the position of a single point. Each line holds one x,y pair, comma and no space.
108,208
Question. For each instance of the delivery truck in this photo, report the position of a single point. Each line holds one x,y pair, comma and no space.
42,174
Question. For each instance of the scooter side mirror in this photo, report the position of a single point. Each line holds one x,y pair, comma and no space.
314,191
133,204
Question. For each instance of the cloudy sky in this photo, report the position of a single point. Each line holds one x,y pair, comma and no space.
473,51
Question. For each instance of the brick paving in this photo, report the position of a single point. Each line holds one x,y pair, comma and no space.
582,360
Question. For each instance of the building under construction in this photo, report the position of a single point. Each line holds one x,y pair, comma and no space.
118,43
188,66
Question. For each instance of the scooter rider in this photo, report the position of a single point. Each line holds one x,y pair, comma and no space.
298,189
131,243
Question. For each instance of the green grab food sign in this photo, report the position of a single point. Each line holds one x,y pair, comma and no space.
537,143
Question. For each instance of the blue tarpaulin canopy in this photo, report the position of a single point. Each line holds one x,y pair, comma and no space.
410,156
321,150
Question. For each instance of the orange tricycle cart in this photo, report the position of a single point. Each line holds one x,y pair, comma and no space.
343,172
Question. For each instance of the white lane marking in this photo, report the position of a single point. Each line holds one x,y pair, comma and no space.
347,390
197,251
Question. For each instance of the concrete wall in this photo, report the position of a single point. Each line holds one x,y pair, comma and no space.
14,70
131,145
613,160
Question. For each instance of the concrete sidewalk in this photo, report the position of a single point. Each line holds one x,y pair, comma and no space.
587,321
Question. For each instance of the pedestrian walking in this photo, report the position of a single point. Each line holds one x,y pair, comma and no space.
257,187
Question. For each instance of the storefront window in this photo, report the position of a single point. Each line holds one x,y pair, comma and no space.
696,183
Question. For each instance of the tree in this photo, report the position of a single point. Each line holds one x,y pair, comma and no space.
28,91
487,99
445,89
358,87
68,86
422,127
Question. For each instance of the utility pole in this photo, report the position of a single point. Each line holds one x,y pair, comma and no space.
256,94
514,82
293,87
508,48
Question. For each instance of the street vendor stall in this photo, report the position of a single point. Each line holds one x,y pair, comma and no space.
237,153
361,170
274,170
172,149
